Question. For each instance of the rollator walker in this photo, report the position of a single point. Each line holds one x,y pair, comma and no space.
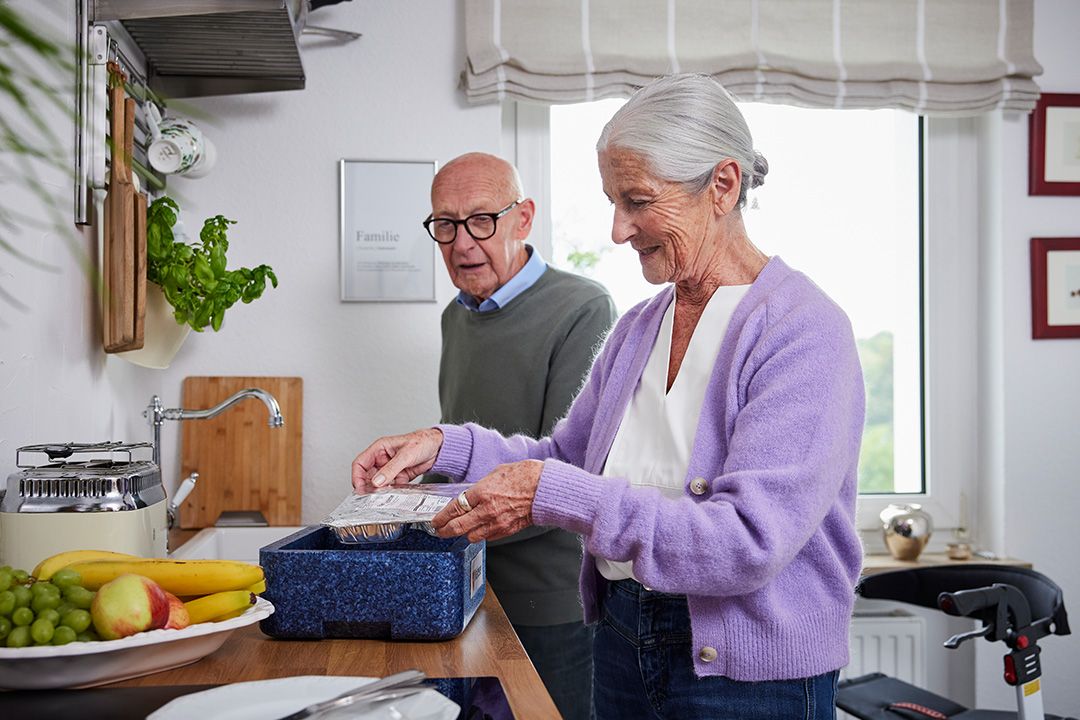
1016,606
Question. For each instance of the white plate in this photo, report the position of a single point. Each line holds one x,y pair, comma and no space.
265,699
84,664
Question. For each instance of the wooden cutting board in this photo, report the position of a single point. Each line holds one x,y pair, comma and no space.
243,463
124,254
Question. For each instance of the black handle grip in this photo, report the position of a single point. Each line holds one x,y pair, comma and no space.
968,602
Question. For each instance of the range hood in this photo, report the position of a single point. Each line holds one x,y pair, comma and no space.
214,47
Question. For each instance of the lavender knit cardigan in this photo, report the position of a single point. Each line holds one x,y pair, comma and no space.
768,556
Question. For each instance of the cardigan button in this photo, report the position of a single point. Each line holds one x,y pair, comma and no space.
699,486
707,654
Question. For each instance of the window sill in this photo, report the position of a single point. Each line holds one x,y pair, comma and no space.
882,562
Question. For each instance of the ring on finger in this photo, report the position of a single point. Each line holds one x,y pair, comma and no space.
463,502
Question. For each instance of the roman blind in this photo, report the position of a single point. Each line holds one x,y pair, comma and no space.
933,57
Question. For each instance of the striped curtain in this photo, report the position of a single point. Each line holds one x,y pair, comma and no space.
933,57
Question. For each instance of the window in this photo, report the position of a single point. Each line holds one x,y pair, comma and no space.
843,203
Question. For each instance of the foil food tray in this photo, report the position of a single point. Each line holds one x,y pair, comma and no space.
387,513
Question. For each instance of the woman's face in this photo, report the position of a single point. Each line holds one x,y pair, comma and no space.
663,223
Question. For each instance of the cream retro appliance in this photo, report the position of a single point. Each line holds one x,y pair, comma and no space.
82,496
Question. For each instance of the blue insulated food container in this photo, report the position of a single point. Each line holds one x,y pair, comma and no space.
418,587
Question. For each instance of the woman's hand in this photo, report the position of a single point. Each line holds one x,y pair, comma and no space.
500,504
396,459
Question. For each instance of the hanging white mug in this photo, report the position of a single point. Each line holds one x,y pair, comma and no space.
178,146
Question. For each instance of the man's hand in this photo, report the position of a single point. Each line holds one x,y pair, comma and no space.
396,459
501,504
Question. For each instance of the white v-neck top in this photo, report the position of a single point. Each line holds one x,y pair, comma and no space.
653,444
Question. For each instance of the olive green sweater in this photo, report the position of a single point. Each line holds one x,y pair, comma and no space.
516,370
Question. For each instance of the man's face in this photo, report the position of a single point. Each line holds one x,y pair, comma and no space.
480,267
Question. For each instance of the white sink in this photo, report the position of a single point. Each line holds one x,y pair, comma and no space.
231,543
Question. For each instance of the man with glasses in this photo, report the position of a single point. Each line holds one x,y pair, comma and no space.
517,343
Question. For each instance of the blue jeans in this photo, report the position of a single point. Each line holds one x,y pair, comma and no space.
562,655
643,668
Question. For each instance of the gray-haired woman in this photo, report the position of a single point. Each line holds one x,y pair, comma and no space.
710,460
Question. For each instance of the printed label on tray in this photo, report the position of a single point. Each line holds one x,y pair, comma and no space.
476,574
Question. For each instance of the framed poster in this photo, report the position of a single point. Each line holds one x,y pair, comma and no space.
386,255
1055,288
1054,145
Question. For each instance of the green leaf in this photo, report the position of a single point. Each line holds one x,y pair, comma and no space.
195,278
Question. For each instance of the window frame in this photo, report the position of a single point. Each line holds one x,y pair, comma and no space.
949,312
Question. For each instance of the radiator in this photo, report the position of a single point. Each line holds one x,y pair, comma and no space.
892,643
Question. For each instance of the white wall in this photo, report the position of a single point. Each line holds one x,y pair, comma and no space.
55,383
371,369
1031,442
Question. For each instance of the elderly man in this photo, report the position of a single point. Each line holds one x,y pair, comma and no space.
516,343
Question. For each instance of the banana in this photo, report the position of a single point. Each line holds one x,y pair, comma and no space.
48,567
234,613
216,606
259,588
180,577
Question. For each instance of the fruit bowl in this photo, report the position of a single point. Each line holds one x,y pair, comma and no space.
85,664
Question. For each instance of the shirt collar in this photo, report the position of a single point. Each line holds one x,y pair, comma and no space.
521,281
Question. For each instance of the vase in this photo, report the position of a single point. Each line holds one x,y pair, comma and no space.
162,335
907,528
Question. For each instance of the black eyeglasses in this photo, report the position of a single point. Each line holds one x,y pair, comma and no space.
480,226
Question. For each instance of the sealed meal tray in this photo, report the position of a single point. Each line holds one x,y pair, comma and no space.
385,514
418,587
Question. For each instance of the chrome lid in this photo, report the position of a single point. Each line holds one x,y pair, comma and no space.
83,477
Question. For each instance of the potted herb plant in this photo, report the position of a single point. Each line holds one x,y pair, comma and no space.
190,286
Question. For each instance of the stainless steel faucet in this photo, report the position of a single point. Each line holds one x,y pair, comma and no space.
157,414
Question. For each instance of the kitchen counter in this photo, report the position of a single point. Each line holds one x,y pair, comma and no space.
488,647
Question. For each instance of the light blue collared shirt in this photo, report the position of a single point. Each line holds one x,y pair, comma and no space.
534,267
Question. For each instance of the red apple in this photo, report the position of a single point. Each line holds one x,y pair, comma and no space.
129,604
178,614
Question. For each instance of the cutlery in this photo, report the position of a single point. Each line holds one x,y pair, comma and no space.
407,682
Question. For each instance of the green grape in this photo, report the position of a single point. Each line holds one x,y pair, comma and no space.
22,616
77,620
6,580
19,637
21,576
79,596
39,588
42,631
22,596
51,615
44,601
5,627
64,577
64,608
63,635
7,603
7,568
88,636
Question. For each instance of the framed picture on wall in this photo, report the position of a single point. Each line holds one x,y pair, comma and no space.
1055,288
1054,145
386,255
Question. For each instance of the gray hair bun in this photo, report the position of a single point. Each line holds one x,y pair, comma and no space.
761,169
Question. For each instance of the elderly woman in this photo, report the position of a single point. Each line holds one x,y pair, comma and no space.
709,461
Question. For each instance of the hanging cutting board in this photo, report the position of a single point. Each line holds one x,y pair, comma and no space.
243,463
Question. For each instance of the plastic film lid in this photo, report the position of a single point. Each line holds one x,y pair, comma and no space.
395,504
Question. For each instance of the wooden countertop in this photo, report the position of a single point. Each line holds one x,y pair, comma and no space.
488,646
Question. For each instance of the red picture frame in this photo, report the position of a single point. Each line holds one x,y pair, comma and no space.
1053,165
1055,288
